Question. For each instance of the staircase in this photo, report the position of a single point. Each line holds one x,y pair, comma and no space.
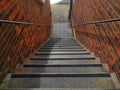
62,64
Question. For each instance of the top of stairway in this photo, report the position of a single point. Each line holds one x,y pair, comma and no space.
62,30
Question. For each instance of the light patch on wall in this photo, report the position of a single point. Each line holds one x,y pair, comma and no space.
55,1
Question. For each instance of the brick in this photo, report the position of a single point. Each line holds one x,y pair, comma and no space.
103,40
18,41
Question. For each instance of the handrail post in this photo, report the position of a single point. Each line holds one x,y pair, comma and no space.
70,11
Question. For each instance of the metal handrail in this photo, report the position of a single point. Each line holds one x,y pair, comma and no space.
98,22
24,23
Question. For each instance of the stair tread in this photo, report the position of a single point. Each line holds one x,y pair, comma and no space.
68,53
62,52
63,56
62,45
65,62
61,69
46,54
67,48
64,82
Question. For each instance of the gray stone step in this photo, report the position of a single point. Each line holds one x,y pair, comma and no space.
62,30
64,62
69,50
62,53
65,52
57,57
78,68
74,47
62,39
58,45
62,48
62,44
97,80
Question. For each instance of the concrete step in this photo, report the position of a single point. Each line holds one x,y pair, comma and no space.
63,62
62,48
62,53
64,57
62,44
96,80
65,45
62,41
57,57
69,50
78,68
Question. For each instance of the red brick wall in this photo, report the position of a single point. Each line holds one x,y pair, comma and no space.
103,40
18,41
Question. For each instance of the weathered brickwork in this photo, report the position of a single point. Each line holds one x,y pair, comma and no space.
18,41
104,40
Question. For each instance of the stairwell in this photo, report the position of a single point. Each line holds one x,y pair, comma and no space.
62,64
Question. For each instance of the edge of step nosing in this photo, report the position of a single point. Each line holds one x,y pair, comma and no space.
37,75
